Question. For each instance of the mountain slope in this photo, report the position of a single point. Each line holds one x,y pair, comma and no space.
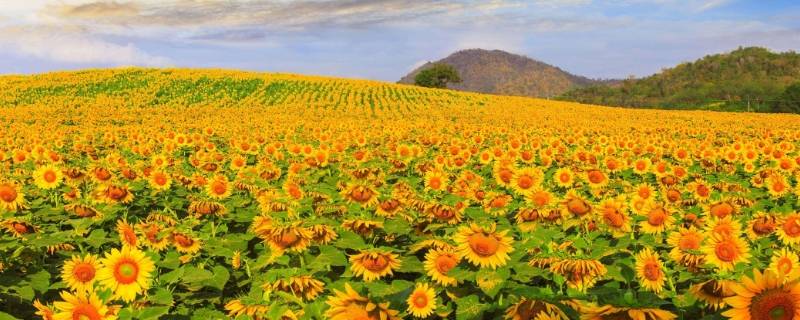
745,79
500,72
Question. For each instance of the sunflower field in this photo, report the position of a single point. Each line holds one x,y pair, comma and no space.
211,194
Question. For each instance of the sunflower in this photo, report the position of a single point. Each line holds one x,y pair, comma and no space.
581,274
349,305
435,180
18,228
725,252
237,307
201,208
764,296
724,227
649,270
47,177
374,264
421,301
539,197
293,238
112,194
85,305
659,219
152,236
785,264
641,166
79,273
761,225
609,312
496,203
483,247
576,205
127,235
11,196
360,193
323,233
126,272
305,287
777,186
684,243
596,178
185,243
527,309
362,226
218,188
713,292
159,180
525,180
438,262
615,219
789,230
388,208
564,177
43,311
721,209
502,174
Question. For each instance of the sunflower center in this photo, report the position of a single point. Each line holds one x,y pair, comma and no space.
420,300
483,245
84,272
219,187
656,217
564,177
775,304
702,190
86,311
506,175
613,217
161,180
8,193
378,263
578,207
785,265
763,226
721,210
126,271
595,176
525,182
792,227
726,251
436,183
116,193
689,242
288,239
20,228
651,271
49,176
445,263
541,198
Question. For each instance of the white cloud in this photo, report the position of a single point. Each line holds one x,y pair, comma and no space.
73,46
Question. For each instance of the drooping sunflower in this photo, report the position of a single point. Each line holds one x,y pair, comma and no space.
303,286
527,309
483,247
48,177
361,193
374,264
185,243
789,230
349,305
683,243
422,301
293,238
200,208
152,235
11,196
237,307
712,293
440,261
581,274
764,296
112,194
127,235
785,264
649,270
82,305
126,272
614,216
725,252
721,209
323,233
18,228
79,272
761,225
609,312
576,206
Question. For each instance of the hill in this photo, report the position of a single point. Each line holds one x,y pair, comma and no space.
745,79
500,72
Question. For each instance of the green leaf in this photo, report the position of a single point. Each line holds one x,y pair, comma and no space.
97,238
396,227
161,296
219,278
153,312
6,316
195,275
410,264
491,281
328,256
350,240
380,289
40,281
469,307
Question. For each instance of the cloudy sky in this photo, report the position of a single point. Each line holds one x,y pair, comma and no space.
384,39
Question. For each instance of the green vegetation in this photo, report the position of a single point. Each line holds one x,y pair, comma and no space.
747,79
789,101
437,76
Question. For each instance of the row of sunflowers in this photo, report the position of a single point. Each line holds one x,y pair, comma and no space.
474,207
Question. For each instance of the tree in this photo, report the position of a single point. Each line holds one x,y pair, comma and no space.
789,100
437,76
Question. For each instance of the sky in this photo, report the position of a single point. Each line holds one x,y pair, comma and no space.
384,39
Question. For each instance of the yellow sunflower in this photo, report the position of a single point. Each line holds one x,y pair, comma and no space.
435,180
82,305
611,312
185,243
527,309
361,193
374,264
712,293
127,272
649,270
576,205
304,287
596,178
659,219
127,235
11,196
48,177
564,177
725,252
683,243
79,273
525,180
159,180
615,219
219,188
789,230
483,247
422,301
761,225
440,261
785,264
764,296
349,305
724,227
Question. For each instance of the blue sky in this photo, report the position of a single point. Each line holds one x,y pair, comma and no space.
384,39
